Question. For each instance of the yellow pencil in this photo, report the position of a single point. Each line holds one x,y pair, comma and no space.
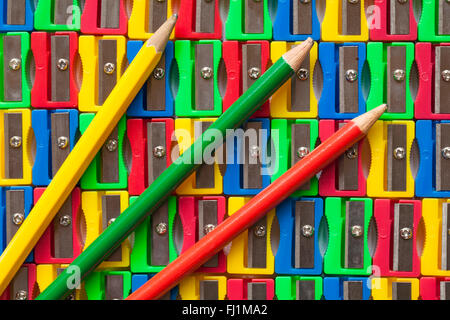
83,153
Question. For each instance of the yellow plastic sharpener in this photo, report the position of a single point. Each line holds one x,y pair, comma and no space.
138,24
47,273
280,104
382,287
91,204
24,142
190,286
432,251
377,179
185,134
237,257
88,97
332,23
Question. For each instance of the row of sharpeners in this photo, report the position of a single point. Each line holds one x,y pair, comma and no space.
252,158
117,285
343,20
204,287
344,69
81,219
345,92
344,236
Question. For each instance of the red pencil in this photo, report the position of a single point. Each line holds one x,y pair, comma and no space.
258,206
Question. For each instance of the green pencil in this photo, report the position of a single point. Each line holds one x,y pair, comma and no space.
160,189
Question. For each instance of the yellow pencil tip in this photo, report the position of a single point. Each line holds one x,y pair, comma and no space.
161,36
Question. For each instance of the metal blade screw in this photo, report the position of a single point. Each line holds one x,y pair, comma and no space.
15,64
159,73
70,297
109,68
446,153
65,221
15,141
208,0
399,75
305,1
62,64
110,221
254,73
21,295
208,228
307,231
399,153
302,152
445,75
303,74
159,151
357,231
260,231
353,1
402,1
351,75
18,218
406,233
254,151
161,228
351,153
112,145
206,73
160,0
62,142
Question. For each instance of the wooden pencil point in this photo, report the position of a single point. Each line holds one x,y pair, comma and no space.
366,120
296,55
78,160
161,36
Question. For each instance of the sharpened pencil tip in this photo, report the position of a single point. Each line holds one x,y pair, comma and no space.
161,36
381,109
298,53
366,120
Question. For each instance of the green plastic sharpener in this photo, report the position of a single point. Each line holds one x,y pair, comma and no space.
348,225
434,23
14,84
298,288
108,285
198,91
62,15
248,20
108,169
390,68
142,258
291,141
